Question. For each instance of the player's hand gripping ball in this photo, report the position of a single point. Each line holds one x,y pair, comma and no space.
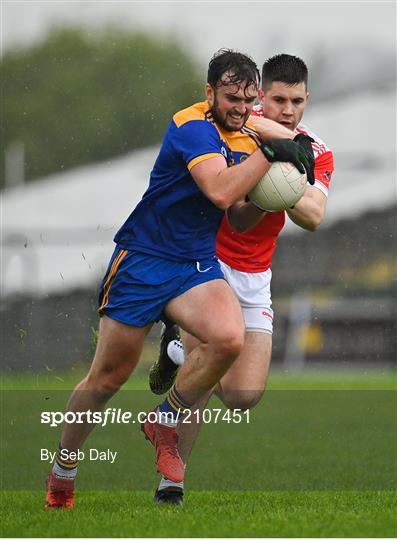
285,182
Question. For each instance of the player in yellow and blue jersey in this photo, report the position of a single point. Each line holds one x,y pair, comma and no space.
164,264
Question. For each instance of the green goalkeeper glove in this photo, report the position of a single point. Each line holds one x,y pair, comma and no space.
289,151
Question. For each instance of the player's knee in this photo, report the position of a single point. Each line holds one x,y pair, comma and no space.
243,400
230,343
107,381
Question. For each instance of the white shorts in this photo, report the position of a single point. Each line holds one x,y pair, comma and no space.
253,293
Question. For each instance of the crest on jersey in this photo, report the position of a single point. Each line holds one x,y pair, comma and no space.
228,154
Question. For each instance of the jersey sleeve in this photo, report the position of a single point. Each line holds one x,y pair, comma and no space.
196,141
324,167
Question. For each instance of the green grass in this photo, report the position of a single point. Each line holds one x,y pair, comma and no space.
278,380
318,459
206,514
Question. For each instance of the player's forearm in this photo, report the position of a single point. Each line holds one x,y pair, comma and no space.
233,183
307,213
225,185
243,216
269,129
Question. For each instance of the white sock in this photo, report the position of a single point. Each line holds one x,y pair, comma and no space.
175,352
164,483
60,472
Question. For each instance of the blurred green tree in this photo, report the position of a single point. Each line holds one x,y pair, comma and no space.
81,97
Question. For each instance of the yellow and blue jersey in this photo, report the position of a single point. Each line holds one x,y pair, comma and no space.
175,220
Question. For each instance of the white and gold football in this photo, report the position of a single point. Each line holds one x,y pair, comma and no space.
280,188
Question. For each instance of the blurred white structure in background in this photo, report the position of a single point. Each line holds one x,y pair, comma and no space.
57,233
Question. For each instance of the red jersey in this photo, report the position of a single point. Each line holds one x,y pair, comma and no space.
252,251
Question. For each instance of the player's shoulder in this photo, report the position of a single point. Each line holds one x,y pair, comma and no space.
198,111
324,159
319,146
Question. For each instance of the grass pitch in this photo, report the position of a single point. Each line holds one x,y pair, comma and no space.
318,459
206,514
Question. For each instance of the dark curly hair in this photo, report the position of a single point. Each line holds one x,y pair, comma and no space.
239,67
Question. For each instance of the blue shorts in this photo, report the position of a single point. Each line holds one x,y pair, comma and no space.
137,287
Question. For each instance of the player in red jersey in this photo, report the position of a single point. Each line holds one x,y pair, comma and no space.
246,243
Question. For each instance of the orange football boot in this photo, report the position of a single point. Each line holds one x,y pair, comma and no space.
165,442
60,492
